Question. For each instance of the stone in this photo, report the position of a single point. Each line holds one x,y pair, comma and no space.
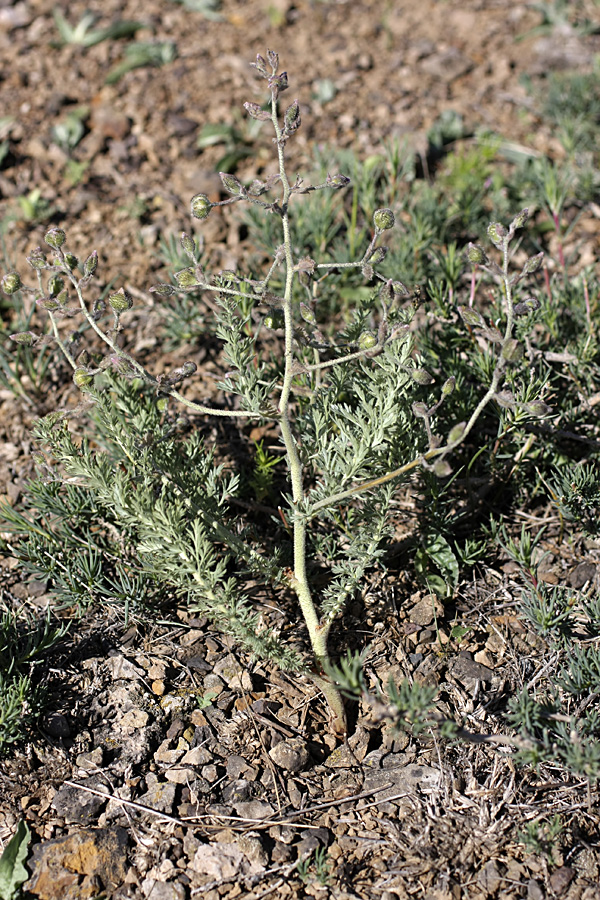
291,755
406,779
561,879
251,846
133,720
160,797
489,878
180,775
218,860
233,674
342,757
90,761
469,672
162,890
77,805
426,611
70,867
197,756
254,809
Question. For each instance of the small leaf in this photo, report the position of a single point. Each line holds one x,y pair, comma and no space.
12,870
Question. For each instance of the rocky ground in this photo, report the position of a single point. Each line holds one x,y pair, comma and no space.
167,765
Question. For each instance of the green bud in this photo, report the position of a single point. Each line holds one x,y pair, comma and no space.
71,261
476,255
257,112
50,304
163,290
505,399
11,283
55,285
90,265
291,118
201,206
307,314
420,376
337,181
188,243
512,351
530,304
187,278
120,302
519,220
273,320
273,59
383,219
456,433
533,264
82,378
420,410
449,386
37,260
497,233
471,317
55,238
278,83
538,408
441,469
26,338
232,184
378,255
367,340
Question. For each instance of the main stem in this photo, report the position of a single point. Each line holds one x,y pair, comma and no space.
317,631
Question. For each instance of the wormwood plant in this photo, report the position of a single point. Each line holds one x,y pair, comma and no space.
353,408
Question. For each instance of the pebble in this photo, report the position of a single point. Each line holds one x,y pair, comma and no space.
79,806
251,846
160,796
291,755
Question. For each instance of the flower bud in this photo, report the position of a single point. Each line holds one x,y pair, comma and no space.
291,118
383,219
476,255
456,432
378,255
90,265
55,238
420,410
367,271
367,340
120,302
519,220
50,304
449,386
497,233
260,65
257,112
71,261
421,376
442,469
307,314
538,408
512,351
11,283
178,375
505,399
471,317
26,338
231,184
201,206
37,260
278,83
55,285
82,378
530,304
188,243
337,181
274,319
533,264
273,59
163,290
187,278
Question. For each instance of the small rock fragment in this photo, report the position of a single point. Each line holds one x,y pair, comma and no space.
291,755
